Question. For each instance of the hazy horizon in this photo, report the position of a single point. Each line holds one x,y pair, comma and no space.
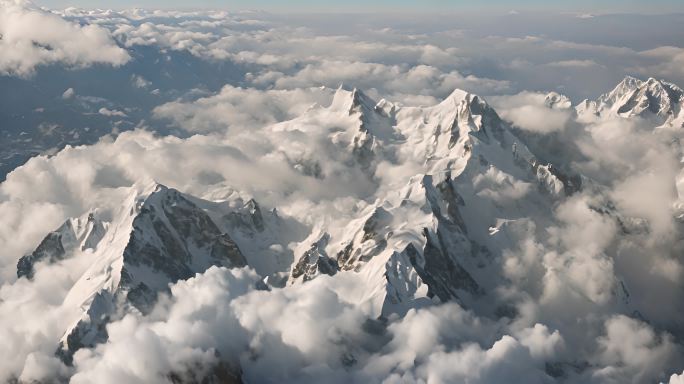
427,6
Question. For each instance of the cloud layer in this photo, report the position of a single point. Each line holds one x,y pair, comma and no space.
23,47
403,57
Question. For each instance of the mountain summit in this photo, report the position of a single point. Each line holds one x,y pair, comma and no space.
652,99
157,238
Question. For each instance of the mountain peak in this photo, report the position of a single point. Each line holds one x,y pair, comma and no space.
630,82
149,187
157,238
455,97
351,101
651,99
75,234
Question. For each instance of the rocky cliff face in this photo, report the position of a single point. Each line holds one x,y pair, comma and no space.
157,238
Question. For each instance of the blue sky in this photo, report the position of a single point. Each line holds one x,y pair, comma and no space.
652,6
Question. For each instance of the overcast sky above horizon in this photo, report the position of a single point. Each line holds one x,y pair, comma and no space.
606,6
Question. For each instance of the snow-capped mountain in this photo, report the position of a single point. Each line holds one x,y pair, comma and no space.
75,234
651,99
432,235
158,237
659,105
431,231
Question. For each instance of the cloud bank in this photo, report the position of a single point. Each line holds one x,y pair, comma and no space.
23,47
